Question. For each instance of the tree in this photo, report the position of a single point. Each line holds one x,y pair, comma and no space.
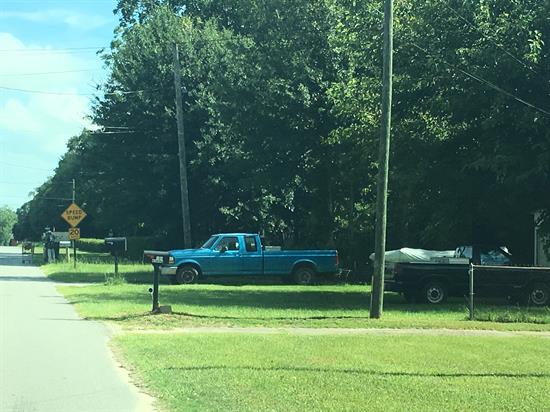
8,219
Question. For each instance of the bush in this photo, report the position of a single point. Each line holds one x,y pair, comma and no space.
92,245
136,246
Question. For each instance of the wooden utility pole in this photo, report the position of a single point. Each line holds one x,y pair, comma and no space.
377,296
182,152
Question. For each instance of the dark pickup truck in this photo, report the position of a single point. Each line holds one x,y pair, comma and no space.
494,276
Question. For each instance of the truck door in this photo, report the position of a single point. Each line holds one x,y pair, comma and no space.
227,259
252,257
493,279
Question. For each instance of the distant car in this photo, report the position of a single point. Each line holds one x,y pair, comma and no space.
242,254
494,275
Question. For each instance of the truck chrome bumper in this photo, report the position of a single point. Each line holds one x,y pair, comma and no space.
168,270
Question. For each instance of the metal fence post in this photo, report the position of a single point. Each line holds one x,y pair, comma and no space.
471,306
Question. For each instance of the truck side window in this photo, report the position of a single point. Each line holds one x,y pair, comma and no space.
464,252
250,243
494,257
231,243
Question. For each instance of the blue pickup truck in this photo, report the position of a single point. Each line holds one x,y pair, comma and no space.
242,254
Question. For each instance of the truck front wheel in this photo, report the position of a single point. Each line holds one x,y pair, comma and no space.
435,292
186,274
539,295
304,276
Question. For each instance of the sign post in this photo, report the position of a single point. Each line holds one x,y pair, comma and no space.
73,215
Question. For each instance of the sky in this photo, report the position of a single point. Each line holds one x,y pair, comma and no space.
48,51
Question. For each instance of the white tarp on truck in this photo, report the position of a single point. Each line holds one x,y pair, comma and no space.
407,254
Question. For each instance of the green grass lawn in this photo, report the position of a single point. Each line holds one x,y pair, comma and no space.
285,305
230,372
89,270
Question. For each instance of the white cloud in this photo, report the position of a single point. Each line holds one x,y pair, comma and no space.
14,116
72,19
53,118
35,127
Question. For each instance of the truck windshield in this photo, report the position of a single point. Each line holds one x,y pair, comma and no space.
208,244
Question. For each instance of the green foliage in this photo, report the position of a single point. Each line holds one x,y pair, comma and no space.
281,103
92,245
8,219
135,244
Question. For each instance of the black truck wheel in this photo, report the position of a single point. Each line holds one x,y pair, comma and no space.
434,292
186,274
539,295
304,275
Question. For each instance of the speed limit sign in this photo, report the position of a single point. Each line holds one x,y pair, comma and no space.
74,233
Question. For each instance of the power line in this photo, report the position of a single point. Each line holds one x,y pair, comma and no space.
118,92
45,73
53,50
121,132
26,167
482,81
493,40
19,183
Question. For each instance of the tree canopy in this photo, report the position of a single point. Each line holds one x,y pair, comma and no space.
8,218
281,102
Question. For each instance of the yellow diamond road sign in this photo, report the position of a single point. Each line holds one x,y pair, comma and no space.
73,215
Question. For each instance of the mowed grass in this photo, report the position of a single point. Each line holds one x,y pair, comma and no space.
248,372
98,269
283,305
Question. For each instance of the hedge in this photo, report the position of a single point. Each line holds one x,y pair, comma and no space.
136,245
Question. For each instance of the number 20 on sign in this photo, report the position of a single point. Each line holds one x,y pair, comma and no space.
74,233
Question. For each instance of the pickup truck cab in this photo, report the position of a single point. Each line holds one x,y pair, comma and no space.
242,254
494,276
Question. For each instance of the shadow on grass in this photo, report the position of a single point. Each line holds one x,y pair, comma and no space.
347,304
363,372
331,304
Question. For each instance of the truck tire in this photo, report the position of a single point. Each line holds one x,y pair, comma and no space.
434,292
304,275
186,275
538,295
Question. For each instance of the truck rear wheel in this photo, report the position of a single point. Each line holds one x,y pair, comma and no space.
186,274
539,295
435,292
304,276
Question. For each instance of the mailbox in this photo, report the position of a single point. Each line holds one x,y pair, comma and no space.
116,245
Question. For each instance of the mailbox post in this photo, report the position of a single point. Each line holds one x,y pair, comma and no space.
157,258
116,245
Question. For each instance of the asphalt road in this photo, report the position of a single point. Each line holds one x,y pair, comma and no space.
50,359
